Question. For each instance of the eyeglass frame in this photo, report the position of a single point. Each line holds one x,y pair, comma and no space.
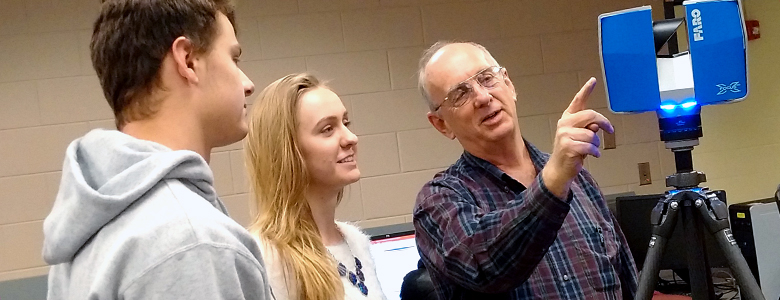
472,77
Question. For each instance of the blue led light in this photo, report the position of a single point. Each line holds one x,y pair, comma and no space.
689,104
668,107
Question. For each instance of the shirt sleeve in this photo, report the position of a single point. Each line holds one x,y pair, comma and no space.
203,271
487,251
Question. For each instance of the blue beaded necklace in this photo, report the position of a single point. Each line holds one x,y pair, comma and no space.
357,278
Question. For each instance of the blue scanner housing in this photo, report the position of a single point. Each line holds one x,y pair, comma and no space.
717,44
713,71
628,60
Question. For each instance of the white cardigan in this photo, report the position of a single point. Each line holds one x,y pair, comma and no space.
358,243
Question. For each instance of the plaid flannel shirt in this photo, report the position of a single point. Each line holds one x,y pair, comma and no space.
484,235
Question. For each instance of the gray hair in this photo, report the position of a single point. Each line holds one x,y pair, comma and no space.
426,58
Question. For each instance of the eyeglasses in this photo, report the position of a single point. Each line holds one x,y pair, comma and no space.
464,91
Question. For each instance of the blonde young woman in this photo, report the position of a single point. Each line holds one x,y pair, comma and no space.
301,154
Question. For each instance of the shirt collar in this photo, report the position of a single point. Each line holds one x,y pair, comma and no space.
538,158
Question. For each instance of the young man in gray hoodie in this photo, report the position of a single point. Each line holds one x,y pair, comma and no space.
136,216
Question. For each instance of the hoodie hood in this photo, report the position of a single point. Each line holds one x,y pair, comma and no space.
106,171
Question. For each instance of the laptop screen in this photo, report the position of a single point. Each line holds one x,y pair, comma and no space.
395,255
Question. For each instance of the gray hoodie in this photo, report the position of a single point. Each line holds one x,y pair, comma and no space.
136,220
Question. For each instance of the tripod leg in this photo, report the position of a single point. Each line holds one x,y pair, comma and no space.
748,284
698,268
662,230
719,227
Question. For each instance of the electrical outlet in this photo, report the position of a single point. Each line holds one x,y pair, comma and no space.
644,173
609,140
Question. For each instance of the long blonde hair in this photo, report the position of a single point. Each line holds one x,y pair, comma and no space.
279,178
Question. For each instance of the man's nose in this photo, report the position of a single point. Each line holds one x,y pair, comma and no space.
481,96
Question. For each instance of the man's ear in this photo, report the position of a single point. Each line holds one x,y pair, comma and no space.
440,125
182,51
509,84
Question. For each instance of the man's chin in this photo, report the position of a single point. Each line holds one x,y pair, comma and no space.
499,132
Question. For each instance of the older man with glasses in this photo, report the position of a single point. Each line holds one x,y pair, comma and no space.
507,220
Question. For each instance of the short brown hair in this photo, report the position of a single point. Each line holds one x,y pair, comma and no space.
130,39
